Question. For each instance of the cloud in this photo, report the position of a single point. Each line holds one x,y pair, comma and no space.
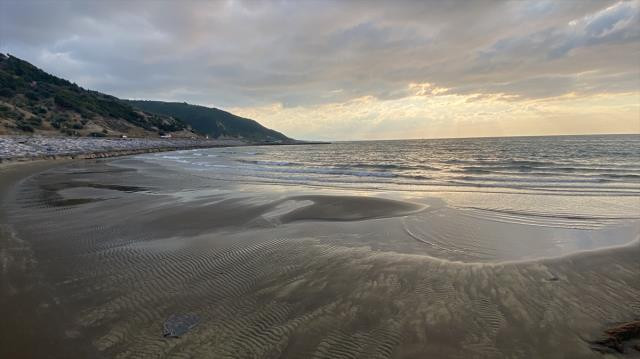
310,54
473,115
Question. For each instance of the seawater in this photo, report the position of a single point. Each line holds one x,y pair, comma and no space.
570,181
575,165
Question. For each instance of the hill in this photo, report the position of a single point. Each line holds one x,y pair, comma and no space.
33,101
212,121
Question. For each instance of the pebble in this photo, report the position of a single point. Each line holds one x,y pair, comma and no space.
18,147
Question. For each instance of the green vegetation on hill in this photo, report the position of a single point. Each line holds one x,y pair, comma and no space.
32,100
212,121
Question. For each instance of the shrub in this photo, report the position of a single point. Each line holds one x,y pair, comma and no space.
35,121
6,92
62,102
31,95
58,121
16,115
24,127
70,132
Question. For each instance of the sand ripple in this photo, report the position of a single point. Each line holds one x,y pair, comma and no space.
272,292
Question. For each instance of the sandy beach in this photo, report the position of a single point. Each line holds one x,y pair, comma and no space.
97,254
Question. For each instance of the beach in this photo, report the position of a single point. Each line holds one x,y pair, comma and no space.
98,254
320,180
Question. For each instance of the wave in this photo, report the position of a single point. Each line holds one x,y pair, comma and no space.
553,187
382,167
556,215
331,175
269,163
621,176
517,163
392,166
479,169
557,166
473,170
532,179
301,170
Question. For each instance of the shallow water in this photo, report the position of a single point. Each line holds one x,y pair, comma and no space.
501,199
573,165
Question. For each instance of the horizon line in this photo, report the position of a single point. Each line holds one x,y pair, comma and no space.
477,137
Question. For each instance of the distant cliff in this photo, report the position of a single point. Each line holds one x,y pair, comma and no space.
212,121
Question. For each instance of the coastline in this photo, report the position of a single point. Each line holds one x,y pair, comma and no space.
6,162
57,148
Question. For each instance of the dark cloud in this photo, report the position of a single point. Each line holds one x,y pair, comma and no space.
251,53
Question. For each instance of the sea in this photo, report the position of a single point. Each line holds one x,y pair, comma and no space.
566,181
571,165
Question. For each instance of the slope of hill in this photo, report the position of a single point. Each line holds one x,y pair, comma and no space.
212,121
33,101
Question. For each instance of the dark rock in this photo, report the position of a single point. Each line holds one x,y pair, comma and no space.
178,324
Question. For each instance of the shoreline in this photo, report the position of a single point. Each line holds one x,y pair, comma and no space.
53,148
5,162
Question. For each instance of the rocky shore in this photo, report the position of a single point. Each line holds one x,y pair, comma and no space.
24,148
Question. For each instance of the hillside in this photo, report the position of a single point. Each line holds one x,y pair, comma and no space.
33,101
212,121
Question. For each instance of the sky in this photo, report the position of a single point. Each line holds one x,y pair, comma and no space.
353,70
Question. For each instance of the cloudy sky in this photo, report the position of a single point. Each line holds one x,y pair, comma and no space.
353,69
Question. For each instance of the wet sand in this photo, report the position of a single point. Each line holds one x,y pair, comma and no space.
96,255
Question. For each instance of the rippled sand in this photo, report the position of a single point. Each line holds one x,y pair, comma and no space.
98,255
